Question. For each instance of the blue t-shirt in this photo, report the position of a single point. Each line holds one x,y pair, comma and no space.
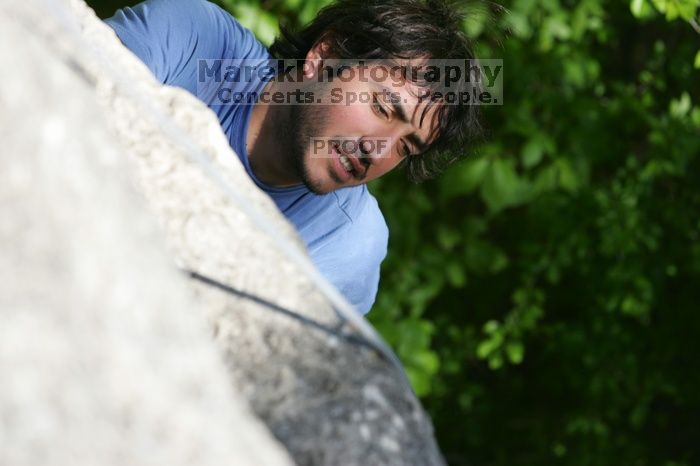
344,231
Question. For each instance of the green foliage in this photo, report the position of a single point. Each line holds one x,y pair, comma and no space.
556,268
264,21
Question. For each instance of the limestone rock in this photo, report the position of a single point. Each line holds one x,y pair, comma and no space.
322,387
102,359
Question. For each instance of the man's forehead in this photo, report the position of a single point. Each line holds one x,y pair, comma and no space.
409,100
393,70
414,102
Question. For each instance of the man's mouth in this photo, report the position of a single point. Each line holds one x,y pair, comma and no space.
350,163
346,163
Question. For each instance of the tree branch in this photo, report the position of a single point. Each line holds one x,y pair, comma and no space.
693,22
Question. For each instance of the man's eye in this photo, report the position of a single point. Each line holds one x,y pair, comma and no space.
379,107
406,151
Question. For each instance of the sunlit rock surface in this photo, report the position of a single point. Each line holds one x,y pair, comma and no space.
114,188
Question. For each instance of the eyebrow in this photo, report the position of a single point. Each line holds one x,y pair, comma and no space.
401,113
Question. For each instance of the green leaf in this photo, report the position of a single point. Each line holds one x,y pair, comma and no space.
679,108
519,24
695,116
636,7
484,349
491,326
502,186
568,179
262,23
641,9
515,352
456,275
687,9
482,257
465,177
532,153
420,381
448,238
476,20
535,148
427,361
495,362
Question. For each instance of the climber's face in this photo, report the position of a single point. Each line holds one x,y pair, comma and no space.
341,130
360,131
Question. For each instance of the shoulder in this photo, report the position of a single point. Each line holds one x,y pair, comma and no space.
364,219
323,221
202,16
359,206
195,9
151,15
171,36
184,24
351,254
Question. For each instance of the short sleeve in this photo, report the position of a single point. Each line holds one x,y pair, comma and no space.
170,36
351,256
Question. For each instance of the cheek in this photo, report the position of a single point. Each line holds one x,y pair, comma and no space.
351,120
385,165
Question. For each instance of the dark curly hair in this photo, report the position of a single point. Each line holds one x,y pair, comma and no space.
398,29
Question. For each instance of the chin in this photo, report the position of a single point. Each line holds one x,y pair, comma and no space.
316,189
324,186
316,178
316,185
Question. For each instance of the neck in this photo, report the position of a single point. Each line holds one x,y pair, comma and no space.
266,145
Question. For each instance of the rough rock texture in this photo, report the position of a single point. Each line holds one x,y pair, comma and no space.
102,360
321,386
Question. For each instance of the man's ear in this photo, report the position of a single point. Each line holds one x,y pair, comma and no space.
320,51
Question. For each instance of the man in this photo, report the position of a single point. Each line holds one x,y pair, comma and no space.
321,191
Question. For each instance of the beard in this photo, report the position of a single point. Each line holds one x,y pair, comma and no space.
304,122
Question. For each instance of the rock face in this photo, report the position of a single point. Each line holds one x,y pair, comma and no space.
102,359
110,183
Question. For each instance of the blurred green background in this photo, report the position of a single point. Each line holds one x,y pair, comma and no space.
544,294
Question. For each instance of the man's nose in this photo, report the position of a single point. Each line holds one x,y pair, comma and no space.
373,148
367,150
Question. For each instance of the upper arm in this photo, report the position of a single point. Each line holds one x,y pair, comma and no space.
351,257
170,36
